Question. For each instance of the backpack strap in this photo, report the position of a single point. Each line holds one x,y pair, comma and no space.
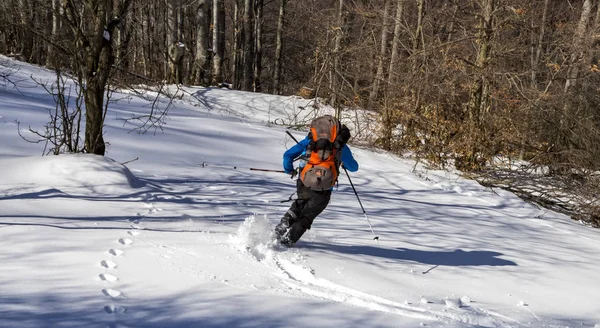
340,141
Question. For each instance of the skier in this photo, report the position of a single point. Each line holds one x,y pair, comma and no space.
323,151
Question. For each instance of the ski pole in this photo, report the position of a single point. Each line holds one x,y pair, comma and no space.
296,140
376,238
204,164
291,135
266,170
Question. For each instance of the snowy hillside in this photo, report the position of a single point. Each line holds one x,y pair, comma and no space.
163,241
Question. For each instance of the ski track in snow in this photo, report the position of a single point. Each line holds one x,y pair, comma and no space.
303,281
300,280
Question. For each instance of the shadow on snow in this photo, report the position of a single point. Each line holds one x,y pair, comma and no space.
456,257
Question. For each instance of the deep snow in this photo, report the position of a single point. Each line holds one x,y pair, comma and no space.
165,242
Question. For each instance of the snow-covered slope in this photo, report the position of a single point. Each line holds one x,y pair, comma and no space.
163,241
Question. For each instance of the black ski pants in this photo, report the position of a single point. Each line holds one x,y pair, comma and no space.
306,207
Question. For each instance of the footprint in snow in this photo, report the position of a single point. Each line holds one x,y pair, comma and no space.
115,252
146,196
453,303
112,292
133,233
151,208
108,264
114,309
125,241
108,277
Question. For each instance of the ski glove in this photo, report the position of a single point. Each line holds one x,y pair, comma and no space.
344,134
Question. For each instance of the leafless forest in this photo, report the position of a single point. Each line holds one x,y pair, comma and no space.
459,83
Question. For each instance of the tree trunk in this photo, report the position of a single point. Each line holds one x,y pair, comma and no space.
419,29
26,43
258,24
333,74
200,72
597,18
171,38
478,100
578,43
122,39
144,41
470,158
4,17
451,25
175,49
94,38
536,50
279,49
237,64
94,116
52,58
248,48
395,43
221,35
218,40
382,53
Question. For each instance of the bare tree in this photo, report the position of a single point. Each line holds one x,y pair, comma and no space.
578,42
279,48
122,38
236,53
382,53
333,73
4,27
52,57
62,132
258,52
537,44
248,45
395,42
26,36
218,41
175,48
451,24
200,71
94,32
419,30
472,155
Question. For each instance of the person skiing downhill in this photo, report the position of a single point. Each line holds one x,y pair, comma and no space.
322,152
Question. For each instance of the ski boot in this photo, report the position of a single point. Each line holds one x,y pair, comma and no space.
282,230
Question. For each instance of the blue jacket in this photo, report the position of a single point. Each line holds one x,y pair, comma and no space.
288,157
